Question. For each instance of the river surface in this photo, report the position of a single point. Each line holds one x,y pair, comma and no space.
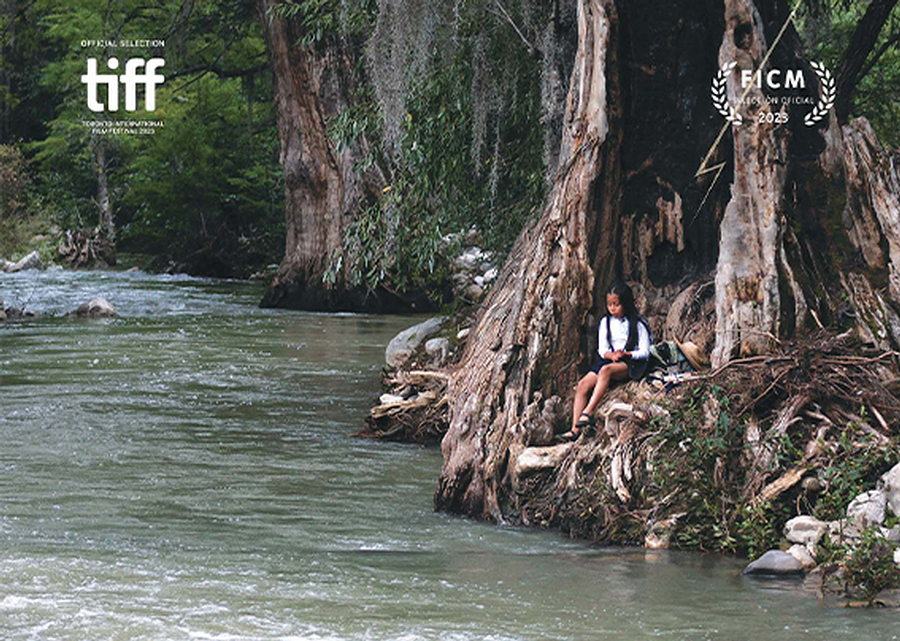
185,471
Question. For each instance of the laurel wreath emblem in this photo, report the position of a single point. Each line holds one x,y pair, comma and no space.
720,101
827,94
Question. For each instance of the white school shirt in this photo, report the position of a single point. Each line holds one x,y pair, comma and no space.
619,335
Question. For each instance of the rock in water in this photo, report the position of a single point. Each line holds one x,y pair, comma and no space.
406,342
800,553
96,308
31,261
774,562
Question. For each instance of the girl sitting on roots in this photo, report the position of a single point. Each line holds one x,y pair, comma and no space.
624,347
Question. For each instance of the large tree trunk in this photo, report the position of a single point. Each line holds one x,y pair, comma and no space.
526,344
809,208
104,203
323,190
799,195
748,302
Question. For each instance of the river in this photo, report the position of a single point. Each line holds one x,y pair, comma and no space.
185,471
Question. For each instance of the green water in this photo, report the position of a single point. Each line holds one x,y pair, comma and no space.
185,472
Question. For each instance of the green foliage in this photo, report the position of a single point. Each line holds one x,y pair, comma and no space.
323,20
24,226
496,192
700,465
466,158
827,34
869,566
759,527
701,460
203,192
854,467
14,180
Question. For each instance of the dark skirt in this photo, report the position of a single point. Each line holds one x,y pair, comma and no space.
636,367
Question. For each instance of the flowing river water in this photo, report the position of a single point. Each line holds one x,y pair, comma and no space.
185,471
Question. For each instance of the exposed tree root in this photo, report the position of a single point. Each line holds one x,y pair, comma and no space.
87,248
720,463
421,417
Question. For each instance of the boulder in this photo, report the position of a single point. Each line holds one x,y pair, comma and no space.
437,349
775,562
845,531
473,259
800,553
805,530
891,535
95,308
404,344
890,485
473,293
31,261
867,509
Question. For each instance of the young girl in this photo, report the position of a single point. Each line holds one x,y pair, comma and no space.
624,347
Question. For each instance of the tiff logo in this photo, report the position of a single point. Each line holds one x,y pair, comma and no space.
131,79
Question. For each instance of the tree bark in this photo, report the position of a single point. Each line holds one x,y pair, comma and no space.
526,344
104,203
808,209
748,305
323,190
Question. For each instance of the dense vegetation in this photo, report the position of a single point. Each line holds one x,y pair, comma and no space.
462,103
201,193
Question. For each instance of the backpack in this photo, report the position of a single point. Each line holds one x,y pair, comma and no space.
666,361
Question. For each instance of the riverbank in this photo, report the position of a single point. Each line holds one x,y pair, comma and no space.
717,461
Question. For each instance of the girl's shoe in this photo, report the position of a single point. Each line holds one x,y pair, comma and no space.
585,421
585,424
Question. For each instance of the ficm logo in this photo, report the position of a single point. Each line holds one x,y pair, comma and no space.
775,80
130,79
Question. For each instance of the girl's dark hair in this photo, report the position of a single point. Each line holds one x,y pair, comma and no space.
626,298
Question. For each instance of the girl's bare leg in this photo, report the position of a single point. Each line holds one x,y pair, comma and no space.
609,372
582,394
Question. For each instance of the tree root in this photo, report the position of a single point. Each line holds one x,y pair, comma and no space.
87,248
421,415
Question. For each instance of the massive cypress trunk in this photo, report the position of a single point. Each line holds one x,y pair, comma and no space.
809,209
802,197
323,189
526,340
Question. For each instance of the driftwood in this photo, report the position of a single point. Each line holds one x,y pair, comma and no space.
87,248
421,417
